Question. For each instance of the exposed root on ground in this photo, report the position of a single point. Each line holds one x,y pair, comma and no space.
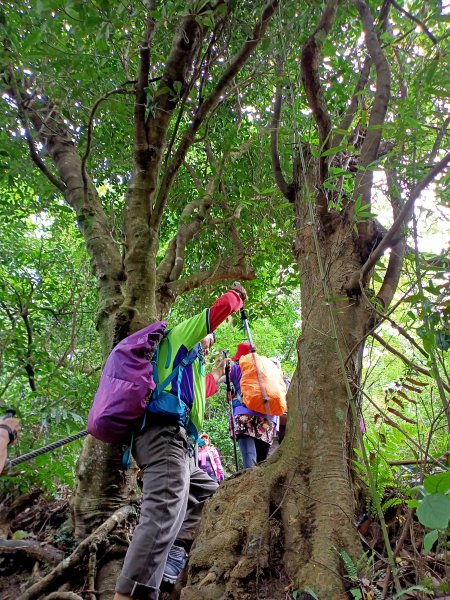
31,550
56,576
63,596
238,552
268,534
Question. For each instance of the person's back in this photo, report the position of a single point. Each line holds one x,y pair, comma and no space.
174,488
254,431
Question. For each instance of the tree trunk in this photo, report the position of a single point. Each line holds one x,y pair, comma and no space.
284,523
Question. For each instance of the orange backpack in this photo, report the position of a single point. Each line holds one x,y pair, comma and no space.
264,377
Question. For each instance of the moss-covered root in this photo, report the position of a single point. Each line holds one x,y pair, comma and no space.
234,549
276,528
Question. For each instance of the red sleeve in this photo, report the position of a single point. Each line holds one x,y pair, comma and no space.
211,385
223,307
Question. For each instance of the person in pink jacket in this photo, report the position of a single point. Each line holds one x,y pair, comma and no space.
209,459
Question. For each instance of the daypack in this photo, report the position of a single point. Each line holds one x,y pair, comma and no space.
125,385
264,377
129,386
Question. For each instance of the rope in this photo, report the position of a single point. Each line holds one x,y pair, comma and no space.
25,457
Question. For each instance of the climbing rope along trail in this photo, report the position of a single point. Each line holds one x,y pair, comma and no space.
29,455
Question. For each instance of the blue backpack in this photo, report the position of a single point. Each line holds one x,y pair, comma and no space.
165,403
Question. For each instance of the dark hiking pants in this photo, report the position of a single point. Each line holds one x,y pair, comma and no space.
253,450
174,490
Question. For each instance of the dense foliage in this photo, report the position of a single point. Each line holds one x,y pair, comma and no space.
81,59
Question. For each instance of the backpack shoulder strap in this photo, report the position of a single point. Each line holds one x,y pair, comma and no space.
178,370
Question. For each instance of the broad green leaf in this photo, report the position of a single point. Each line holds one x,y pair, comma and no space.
437,483
434,511
429,539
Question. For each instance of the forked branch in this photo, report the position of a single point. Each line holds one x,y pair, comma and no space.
209,104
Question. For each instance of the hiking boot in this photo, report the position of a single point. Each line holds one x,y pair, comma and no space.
176,561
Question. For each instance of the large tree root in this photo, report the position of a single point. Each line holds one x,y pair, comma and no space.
32,550
63,596
273,530
58,573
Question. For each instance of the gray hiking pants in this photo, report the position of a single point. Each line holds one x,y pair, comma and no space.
174,491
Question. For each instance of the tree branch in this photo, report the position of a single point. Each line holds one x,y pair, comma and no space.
402,218
19,100
72,561
420,23
190,169
393,271
286,189
369,149
141,231
39,162
29,368
92,222
440,135
310,62
207,107
190,224
74,316
217,273
142,80
354,103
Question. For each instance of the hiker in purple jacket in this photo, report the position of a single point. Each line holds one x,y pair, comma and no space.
254,431
174,487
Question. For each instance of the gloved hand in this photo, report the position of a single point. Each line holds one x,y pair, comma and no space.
237,287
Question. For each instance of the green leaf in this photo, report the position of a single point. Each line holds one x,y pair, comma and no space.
430,538
439,483
403,593
311,592
177,86
334,150
434,511
341,131
377,277
20,534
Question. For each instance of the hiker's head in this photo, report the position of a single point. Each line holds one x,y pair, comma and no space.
205,438
207,342
242,349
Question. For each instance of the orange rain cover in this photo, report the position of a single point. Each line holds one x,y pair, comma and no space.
262,378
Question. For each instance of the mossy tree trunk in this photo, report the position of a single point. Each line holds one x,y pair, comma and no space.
136,285
282,525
